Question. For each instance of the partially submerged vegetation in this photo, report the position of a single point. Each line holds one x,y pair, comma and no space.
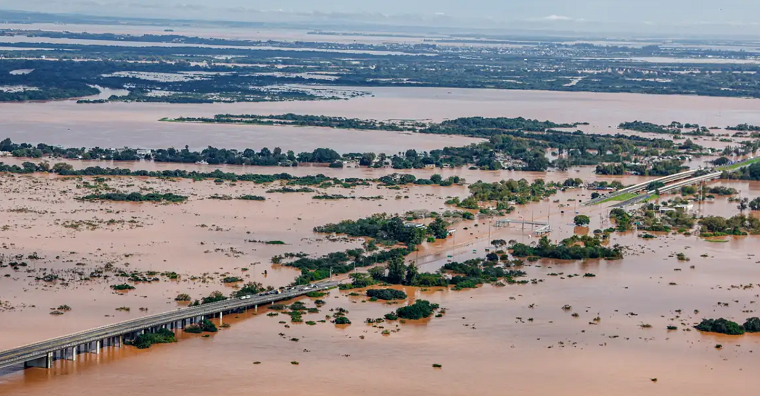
504,194
135,197
738,225
386,294
419,310
573,248
144,341
724,326
388,229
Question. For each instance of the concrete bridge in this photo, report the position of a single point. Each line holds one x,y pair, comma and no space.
42,354
714,173
671,187
642,186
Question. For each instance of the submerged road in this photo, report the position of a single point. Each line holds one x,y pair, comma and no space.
41,354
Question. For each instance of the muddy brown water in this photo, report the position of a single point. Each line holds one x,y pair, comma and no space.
486,341
136,124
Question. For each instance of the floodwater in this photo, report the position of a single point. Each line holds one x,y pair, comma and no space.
137,125
126,43
491,341
225,33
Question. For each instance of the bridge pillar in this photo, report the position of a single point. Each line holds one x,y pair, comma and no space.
256,308
220,318
42,362
73,356
97,347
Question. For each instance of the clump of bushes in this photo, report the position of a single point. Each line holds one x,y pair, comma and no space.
386,294
722,326
205,326
144,341
182,297
420,309
232,279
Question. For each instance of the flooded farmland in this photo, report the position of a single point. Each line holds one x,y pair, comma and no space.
623,327
137,124
516,339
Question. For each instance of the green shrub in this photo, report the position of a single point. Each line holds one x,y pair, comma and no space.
386,294
420,309
721,326
162,336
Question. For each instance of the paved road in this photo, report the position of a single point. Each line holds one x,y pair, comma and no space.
641,186
41,349
668,188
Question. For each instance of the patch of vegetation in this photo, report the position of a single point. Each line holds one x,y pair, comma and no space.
573,248
183,297
144,341
386,294
135,197
721,326
419,310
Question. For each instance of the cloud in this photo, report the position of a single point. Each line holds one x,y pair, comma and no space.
557,18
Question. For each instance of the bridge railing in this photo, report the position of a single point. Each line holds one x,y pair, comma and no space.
124,327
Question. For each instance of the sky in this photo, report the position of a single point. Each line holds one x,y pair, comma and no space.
644,16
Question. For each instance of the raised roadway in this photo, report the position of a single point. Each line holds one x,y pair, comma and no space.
642,186
45,349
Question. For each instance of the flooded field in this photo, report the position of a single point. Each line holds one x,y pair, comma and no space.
492,340
515,340
223,32
136,124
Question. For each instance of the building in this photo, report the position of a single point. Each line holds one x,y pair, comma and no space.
351,164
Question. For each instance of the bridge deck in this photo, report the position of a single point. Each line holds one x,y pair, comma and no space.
41,349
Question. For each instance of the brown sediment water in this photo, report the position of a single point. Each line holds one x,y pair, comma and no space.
492,340
137,125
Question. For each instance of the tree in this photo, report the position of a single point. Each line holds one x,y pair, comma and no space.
377,273
396,271
62,167
582,220
249,288
721,161
755,204
439,228
752,325
361,280
721,326
411,274
743,205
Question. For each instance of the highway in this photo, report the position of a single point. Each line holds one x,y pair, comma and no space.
669,188
642,186
715,174
44,349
